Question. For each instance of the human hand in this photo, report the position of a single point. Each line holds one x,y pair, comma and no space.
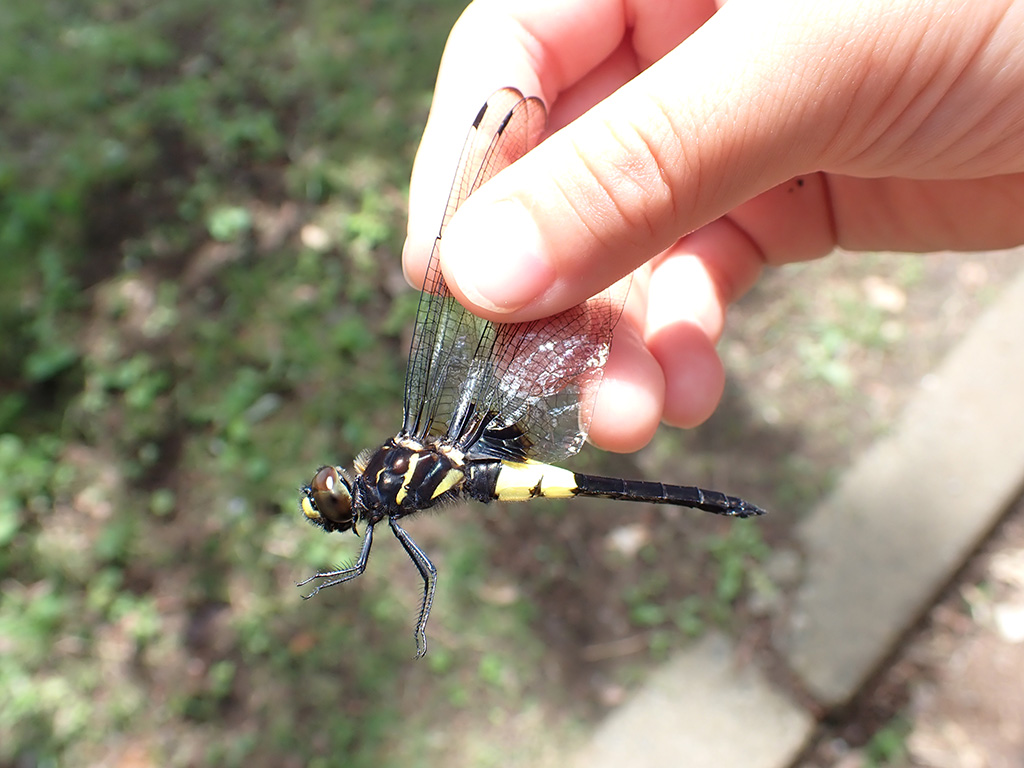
702,144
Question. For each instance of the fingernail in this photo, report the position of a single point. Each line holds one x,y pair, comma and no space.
496,256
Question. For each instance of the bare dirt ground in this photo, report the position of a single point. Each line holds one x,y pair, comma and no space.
956,686
952,694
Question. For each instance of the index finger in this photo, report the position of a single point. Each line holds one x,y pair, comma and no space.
570,53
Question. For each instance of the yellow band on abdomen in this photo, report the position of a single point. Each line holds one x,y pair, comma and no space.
521,482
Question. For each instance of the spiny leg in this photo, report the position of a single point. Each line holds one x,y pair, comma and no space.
345,574
429,574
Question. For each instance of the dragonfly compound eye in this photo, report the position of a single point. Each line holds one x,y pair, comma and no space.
327,500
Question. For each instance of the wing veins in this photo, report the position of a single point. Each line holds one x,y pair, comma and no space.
504,130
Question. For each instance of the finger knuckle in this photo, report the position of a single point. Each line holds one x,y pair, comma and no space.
634,171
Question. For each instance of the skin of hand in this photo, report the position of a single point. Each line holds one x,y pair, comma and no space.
693,145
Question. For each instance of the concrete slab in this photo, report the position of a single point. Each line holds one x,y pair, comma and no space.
908,513
702,710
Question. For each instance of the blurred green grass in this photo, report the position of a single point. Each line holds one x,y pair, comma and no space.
176,360
201,216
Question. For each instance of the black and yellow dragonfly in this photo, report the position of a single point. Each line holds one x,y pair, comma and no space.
489,407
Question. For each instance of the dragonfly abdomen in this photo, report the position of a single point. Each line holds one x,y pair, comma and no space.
660,493
522,481
518,481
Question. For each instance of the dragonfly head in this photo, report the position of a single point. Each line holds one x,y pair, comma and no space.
327,500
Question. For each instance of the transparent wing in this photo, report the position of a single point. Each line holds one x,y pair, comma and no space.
503,390
538,400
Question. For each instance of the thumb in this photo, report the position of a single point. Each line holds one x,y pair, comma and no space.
754,97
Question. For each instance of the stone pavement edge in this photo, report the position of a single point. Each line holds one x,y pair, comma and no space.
899,525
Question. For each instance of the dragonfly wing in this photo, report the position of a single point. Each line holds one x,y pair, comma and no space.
504,390
447,339
546,376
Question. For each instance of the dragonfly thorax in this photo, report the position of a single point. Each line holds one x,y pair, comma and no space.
403,477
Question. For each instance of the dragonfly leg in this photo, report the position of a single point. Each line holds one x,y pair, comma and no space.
429,574
345,574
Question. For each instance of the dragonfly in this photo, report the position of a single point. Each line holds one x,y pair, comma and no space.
490,408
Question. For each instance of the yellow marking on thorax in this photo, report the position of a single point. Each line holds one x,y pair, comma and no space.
521,482
414,459
452,478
